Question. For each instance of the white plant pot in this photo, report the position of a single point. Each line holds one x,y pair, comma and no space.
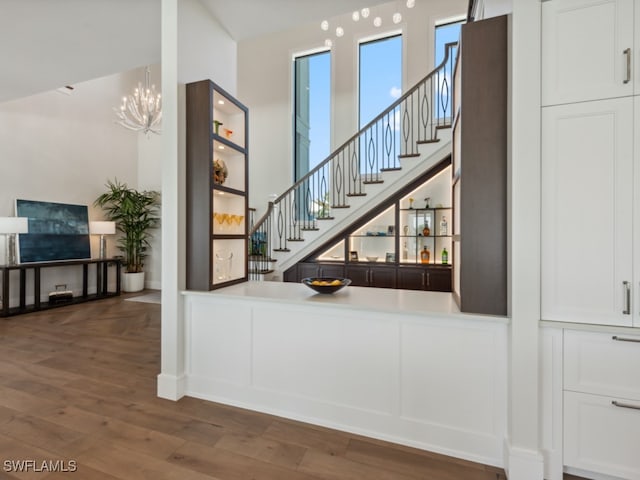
132,282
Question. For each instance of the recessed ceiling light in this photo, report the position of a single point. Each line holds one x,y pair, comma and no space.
324,25
220,102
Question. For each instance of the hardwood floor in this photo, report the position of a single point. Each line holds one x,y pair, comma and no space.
78,387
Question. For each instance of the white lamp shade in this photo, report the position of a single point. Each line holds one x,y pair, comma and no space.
14,225
102,228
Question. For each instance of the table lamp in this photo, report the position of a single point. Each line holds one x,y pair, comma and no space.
9,227
102,228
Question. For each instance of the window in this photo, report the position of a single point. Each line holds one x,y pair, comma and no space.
380,76
444,33
312,98
380,84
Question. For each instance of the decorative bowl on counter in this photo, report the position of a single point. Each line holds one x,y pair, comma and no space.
372,258
325,284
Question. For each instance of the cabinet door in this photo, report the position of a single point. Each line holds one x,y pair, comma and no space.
636,212
412,278
359,275
307,270
600,436
332,271
383,277
439,279
583,50
587,182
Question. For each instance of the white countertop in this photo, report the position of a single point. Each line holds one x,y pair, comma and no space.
359,298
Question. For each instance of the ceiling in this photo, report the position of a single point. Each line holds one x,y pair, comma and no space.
251,18
47,44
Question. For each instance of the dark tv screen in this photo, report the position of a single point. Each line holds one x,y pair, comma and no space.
57,231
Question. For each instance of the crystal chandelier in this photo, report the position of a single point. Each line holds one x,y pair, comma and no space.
141,111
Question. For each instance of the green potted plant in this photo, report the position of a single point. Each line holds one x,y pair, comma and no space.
135,214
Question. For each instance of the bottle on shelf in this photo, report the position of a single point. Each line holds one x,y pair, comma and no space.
426,231
425,254
444,227
444,256
405,251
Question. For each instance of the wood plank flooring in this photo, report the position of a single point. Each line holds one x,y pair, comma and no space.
78,386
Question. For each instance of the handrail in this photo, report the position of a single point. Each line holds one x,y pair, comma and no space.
448,48
395,133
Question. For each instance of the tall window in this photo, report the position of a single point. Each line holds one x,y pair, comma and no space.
444,33
380,85
312,85
380,76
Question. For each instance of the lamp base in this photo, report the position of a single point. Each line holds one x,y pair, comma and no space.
103,247
10,257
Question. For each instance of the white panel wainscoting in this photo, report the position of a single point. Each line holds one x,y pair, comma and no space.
364,360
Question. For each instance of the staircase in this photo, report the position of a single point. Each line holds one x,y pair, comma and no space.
403,142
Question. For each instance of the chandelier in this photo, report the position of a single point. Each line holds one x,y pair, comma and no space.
141,111
364,14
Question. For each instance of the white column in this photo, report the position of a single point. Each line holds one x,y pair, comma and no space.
523,456
171,378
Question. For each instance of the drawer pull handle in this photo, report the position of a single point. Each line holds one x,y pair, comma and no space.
615,403
623,339
627,54
627,298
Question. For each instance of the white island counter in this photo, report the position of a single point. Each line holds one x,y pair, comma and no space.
399,365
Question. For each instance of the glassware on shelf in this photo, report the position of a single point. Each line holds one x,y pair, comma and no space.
223,266
238,219
444,256
444,226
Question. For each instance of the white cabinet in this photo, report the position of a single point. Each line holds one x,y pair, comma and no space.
587,212
602,403
588,50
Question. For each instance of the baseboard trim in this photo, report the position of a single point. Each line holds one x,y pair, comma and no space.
523,463
153,285
171,387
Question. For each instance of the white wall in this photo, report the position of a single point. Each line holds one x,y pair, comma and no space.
63,148
265,82
194,47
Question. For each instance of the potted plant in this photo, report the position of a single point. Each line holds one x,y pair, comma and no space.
135,214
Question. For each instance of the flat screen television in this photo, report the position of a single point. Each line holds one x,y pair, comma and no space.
57,231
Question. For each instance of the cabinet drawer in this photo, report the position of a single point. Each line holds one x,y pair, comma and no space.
603,364
601,437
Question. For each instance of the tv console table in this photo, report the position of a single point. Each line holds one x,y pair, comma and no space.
102,271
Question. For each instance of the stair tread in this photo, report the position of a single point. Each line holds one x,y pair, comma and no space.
409,155
340,206
422,142
356,194
281,250
390,169
370,182
325,218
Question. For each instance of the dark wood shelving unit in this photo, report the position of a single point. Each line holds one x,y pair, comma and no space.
217,213
479,173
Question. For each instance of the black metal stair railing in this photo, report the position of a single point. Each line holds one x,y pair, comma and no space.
411,120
